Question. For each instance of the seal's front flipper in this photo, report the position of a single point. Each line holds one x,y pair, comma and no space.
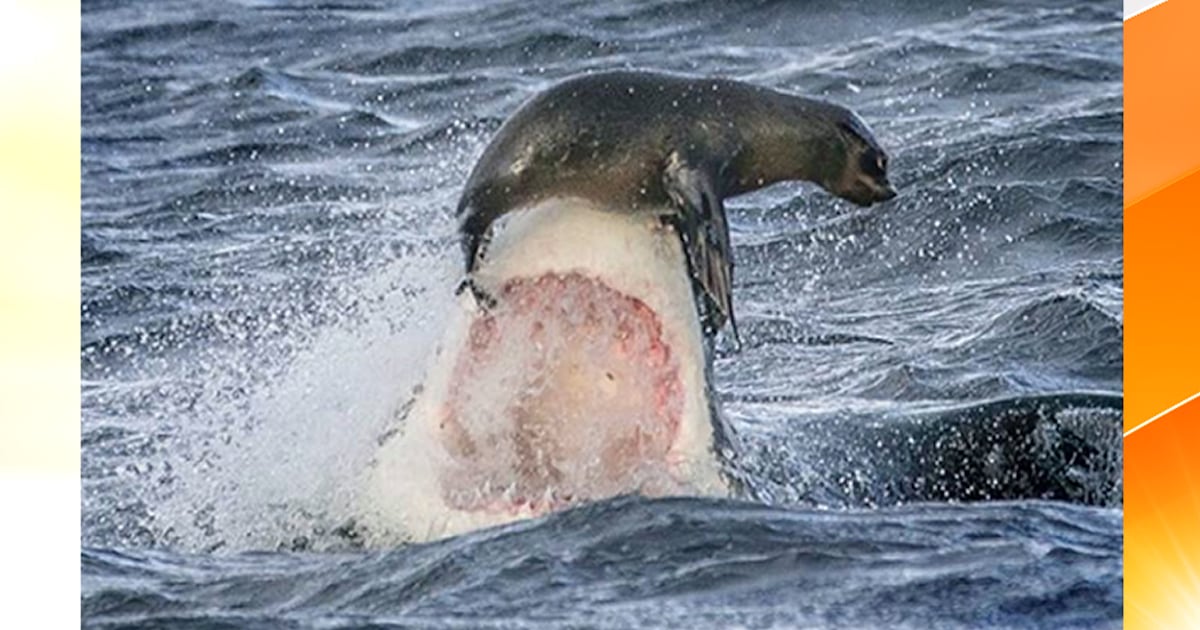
475,230
485,300
704,231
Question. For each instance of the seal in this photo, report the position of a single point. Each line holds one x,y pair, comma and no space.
579,365
674,146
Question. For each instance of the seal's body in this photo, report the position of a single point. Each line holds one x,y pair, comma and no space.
579,365
671,145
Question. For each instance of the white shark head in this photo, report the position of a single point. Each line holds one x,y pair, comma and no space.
585,380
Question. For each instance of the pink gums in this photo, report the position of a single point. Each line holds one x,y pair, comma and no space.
558,433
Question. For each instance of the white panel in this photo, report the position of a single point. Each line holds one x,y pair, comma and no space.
1134,7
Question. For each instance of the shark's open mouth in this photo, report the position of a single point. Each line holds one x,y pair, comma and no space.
564,392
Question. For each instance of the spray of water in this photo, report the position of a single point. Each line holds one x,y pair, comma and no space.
269,454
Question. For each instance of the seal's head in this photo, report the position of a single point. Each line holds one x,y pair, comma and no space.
863,177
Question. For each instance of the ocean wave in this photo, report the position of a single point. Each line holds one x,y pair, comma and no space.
1064,447
727,563
1064,332
531,49
157,32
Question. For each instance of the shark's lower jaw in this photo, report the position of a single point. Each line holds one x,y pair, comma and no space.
566,391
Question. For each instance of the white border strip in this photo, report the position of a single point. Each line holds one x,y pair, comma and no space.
40,544
1134,7
1173,408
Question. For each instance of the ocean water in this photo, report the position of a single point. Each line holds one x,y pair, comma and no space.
927,403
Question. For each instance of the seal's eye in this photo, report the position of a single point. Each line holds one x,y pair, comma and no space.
873,163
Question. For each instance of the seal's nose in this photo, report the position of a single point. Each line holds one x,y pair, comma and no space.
887,192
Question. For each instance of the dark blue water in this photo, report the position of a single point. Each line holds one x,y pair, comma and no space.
927,404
